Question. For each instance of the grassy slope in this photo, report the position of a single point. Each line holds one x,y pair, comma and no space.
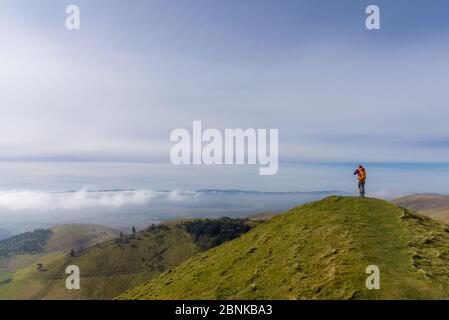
432,205
20,268
64,238
77,236
110,268
318,251
107,269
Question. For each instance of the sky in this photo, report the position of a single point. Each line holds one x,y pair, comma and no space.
94,108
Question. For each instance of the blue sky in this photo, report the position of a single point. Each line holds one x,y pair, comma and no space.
95,108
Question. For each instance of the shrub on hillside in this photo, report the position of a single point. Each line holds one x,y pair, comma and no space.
213,232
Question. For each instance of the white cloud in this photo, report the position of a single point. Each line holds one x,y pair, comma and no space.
39,201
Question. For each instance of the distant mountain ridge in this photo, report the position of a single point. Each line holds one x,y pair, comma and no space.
228,191
433,205
233,191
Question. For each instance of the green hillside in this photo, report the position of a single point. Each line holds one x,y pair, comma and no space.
32,242
21,250
318,251
78,236
112,267
20,254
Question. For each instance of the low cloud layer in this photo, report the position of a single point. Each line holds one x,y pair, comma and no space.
24,210
38,201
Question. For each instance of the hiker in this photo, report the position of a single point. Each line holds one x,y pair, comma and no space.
361,176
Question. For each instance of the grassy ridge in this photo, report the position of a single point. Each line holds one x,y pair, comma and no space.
78,236
318,251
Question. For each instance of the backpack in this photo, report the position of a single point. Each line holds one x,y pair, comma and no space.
362,174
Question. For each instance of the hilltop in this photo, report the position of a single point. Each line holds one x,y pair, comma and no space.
109,268
318,251
78,236
433,205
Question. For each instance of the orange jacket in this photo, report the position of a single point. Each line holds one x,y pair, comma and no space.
362,174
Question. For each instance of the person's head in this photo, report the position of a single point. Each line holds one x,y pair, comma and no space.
360,166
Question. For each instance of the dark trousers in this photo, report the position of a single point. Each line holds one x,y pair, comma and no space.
362,188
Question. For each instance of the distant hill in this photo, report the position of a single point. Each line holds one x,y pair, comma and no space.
263,216
28,249
109,268
26,243
433,205
318,251
77,236
238,191
56,239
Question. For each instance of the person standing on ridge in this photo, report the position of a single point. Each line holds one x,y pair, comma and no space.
361,176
